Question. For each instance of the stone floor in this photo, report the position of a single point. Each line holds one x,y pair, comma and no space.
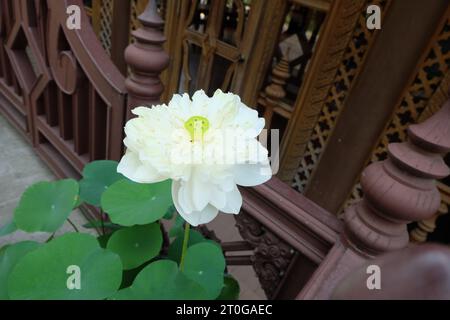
20,167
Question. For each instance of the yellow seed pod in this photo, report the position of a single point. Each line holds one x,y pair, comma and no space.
196,126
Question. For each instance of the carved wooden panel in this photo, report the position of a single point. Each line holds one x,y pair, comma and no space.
71,94
333,41
206,41
290,236
12,101
271,256
349,68
303,22
418,96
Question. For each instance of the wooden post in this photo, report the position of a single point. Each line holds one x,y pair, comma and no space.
147,59
120,37
396,191
367,109
402,188
275,91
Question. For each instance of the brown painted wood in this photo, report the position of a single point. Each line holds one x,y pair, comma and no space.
417,273
291,235
47,76
298,248
258,56
80,105
120,34
334,37
147,59
394,54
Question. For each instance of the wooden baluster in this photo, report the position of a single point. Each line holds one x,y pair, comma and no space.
420,233
397,191
400,189
275,91
147,59
425,227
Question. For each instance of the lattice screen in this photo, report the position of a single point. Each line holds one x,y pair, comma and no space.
431,72
106,14
137,6
106,19
352,62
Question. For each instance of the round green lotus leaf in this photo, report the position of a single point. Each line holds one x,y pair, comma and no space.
45,206
176,246
103,240
170,213
8,259
136,245
178,227
125,294
205,264
128,203
70,267
161,280
230,290
98,224
8,228
97,177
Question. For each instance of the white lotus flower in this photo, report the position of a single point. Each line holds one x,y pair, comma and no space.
207,146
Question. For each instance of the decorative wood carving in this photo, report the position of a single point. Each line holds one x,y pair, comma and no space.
271,257
208,233
283,226
195,27
438,98
338,31
352,63
275,92
271,18
397,190
421,96
279,223
71,94
425,227
402,188
147,59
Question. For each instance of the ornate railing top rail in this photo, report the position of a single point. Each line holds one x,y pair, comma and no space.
64,93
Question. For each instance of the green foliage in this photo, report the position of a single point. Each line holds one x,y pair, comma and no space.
230,290
46,205
97,177
128,203
205,264
177,228
124,262
42,273
162,280
8,228
136,245
101,224
176,246
8,259
170,213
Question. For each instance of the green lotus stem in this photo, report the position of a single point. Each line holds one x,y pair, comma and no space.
185,245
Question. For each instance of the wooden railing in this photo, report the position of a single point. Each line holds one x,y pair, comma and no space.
60,88
64,94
